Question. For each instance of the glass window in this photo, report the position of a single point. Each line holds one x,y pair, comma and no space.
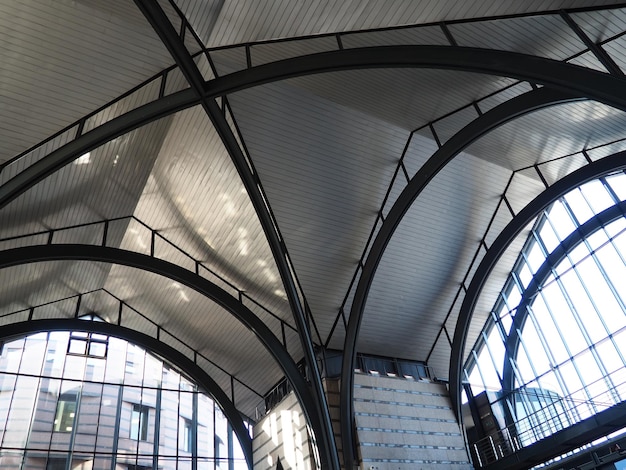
571,349
139,422
185,436
85,404
65,413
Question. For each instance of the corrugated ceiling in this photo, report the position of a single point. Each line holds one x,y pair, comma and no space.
326,149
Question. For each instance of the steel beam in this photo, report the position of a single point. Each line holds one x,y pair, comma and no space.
575,79
319,416
571,78
171,355
105,254
541,276
523,104
509,233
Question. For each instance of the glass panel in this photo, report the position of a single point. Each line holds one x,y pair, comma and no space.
584,308
21,412
597,196
544,320
535,257
579,206
601,294
618,184
221,440
532,343
548,237
563,316
561,221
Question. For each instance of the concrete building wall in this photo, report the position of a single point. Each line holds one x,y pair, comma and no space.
406,424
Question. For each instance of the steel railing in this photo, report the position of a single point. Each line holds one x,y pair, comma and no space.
557,413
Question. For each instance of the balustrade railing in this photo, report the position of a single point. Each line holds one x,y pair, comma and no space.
557,413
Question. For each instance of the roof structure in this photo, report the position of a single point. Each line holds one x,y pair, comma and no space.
250,181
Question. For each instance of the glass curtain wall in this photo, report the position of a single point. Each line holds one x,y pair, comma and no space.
553,351
74,400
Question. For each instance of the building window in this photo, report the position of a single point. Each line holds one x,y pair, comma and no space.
65,413
185,435
56,464
88,344
139,422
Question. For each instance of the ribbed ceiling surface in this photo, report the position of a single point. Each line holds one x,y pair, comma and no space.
330,153
62,60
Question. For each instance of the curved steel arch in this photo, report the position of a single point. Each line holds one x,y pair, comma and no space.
589,172
593,84
501,114
587,229
53,252
585,82
151,344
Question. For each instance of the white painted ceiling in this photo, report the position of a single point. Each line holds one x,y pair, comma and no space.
326,148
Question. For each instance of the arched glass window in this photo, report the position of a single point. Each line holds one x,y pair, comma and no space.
553,351
79,400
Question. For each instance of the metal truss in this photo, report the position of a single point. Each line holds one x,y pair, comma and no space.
509,233
149,343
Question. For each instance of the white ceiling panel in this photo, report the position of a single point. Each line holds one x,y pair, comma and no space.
428,257
405,98
551,133
252,20
62,60
105,184
546,36
195,199
325,169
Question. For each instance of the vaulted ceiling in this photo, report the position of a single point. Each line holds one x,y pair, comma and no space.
108,140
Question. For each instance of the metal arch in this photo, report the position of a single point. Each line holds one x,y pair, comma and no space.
590,83
574,79
167,352
589,172
322,424
558,254
509,110
54,252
